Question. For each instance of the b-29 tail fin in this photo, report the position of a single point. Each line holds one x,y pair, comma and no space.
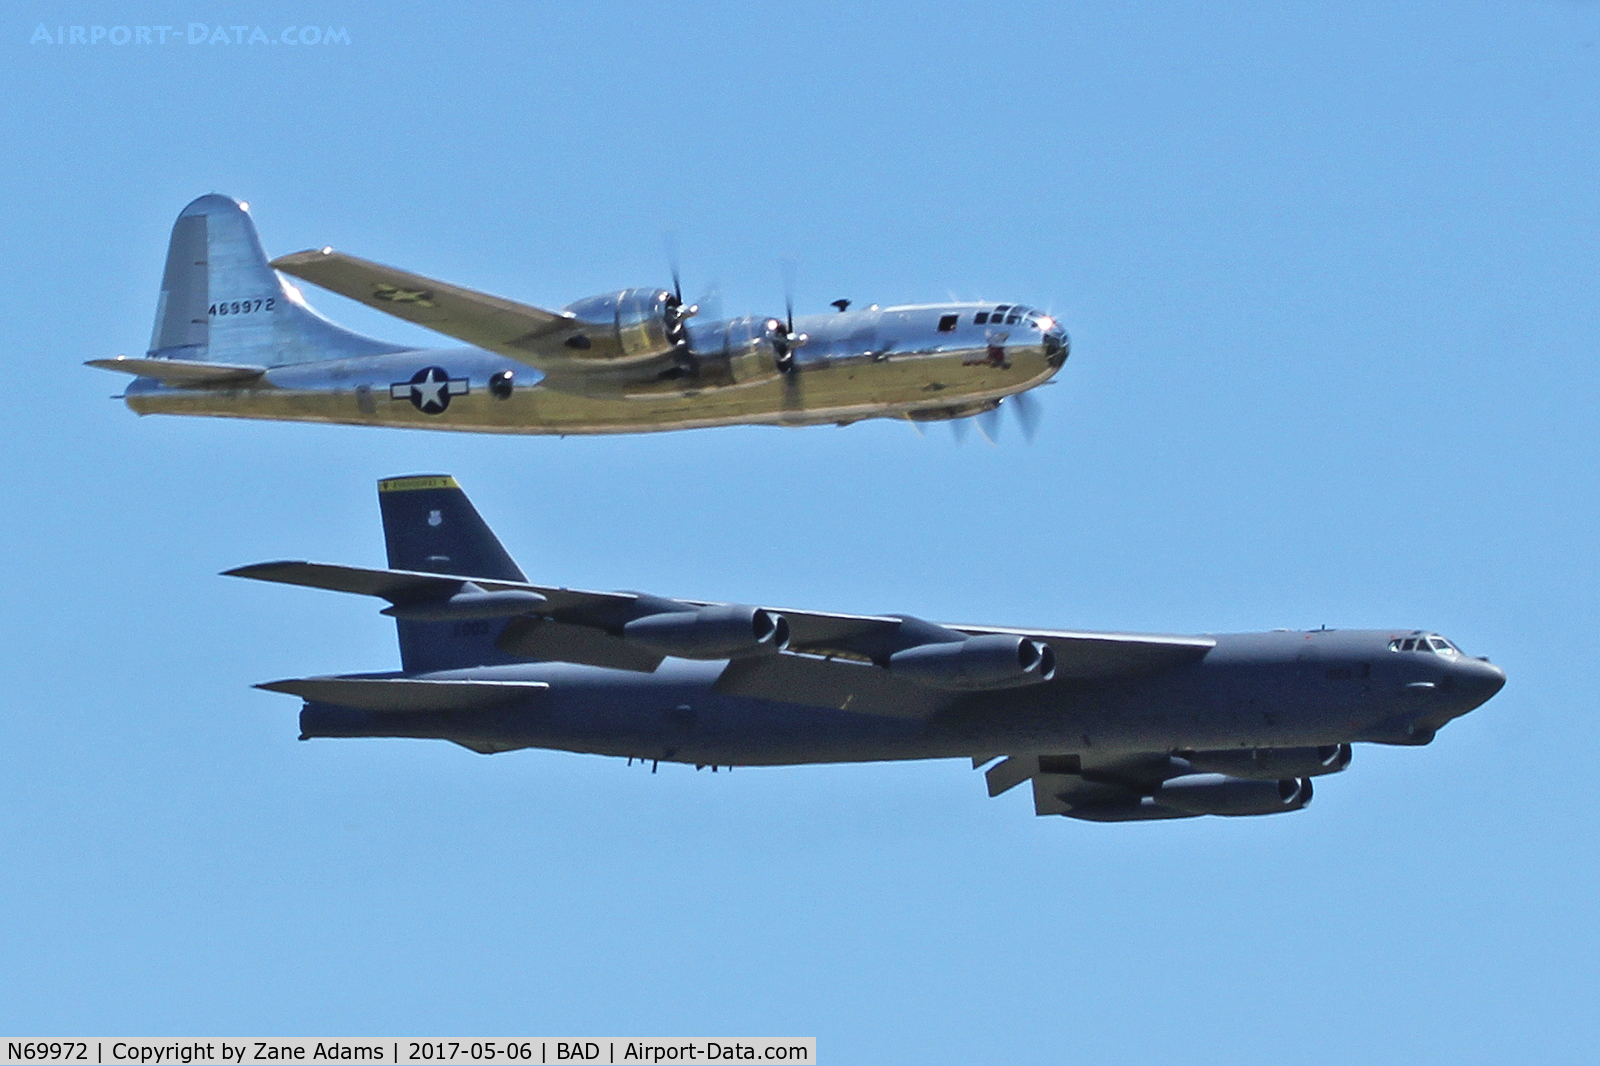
222,303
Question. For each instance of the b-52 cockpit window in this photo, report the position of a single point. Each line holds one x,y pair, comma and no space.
1437,645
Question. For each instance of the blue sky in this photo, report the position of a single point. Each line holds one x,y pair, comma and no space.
1331,281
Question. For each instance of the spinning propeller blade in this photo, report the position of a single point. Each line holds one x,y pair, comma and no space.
710,302
989,425
788,294
1029,413
677,311
670,239
781,334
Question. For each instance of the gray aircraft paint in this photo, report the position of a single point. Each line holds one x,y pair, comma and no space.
222,303
1129,727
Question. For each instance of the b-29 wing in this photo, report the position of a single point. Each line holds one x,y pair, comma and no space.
516,330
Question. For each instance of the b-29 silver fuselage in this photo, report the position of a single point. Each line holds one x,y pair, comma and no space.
234,338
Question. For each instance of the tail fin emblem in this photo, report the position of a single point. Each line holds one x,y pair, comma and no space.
435,518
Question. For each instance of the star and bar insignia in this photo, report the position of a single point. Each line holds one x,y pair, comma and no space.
391,294
429,389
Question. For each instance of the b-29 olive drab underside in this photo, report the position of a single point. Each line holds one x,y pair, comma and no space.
1105,726
234,338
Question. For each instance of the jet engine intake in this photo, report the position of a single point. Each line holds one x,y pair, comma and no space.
722,632
992,661
1272,763
631,326
1221,794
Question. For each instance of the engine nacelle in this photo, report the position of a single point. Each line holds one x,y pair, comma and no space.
631,326
722,632
1221,794
1272,763
990,661
471,603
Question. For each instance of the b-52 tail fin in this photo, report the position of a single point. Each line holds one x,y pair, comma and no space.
431,527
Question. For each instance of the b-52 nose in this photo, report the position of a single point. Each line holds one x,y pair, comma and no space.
1440,684
1475,680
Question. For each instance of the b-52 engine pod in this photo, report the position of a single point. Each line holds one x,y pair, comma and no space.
1221,794
724,631
1272,763
988,662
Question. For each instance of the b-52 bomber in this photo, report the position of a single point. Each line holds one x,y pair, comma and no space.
234,338
1106,726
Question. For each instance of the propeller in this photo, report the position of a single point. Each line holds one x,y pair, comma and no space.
710,302
1029,414
677,312
1028,411
782,335
989,424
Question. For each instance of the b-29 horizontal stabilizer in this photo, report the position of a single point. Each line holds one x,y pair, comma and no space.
181,372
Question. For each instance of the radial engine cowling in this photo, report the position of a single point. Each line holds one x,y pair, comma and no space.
722,632
1221,794
994,660
631,326
1272,763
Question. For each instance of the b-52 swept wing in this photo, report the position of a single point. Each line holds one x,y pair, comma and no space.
813,658
233,337
1106,726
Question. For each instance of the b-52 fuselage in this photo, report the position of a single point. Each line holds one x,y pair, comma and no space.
233,338
1106,726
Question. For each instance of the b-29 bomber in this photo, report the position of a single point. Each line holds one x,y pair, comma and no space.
234,338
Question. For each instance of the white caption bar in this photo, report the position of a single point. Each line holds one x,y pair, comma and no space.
389,1051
